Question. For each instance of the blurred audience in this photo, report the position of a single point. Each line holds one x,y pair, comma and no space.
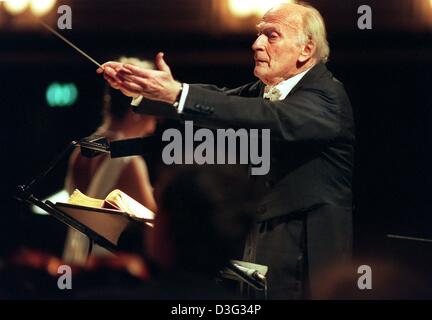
30,275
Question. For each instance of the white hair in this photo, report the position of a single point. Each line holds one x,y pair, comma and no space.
313,29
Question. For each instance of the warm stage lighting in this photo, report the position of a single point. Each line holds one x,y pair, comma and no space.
38,7
245,8
262,6
16,6
240,8
41,7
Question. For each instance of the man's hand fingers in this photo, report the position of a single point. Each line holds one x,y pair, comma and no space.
112,82
129,93
114,85
131,69
161,64
112,64
117,77
143,83
110,72
130,86
109,79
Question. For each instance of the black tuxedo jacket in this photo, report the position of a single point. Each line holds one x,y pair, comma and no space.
308,190
312,137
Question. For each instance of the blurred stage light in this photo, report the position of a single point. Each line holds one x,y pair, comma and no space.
38,7
41,7
262,6
245,8
240,8
61,95
16,6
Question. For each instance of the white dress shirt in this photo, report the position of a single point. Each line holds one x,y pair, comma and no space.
286,86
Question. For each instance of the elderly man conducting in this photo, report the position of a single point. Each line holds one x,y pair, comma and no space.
305,217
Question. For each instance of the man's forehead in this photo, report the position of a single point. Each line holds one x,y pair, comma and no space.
269,25
277,24
280,19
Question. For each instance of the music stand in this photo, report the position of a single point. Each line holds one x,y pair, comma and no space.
247,273
95,144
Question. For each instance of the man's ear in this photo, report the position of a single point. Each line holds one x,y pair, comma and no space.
307,52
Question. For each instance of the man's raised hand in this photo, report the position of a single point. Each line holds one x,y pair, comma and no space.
134,81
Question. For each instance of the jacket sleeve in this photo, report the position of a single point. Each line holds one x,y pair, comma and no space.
309,114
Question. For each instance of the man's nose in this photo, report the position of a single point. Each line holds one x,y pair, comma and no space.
259,43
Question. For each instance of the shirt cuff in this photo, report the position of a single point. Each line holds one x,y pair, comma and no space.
136,101
183,97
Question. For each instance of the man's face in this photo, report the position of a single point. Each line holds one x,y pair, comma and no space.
276,48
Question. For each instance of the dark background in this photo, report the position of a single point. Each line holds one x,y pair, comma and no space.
387,73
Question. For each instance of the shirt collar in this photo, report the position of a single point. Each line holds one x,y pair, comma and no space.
286,86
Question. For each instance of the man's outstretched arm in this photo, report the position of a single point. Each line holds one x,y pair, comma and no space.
307,115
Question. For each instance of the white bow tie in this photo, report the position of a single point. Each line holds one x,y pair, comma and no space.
272,93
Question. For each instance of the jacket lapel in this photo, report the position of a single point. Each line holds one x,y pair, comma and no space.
316,72
258,89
